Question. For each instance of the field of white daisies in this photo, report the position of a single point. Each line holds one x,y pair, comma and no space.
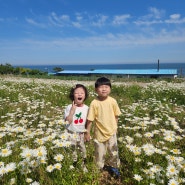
35,148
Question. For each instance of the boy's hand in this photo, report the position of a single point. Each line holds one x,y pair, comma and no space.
87,137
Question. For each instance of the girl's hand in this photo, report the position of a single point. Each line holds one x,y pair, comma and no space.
73,108
69,118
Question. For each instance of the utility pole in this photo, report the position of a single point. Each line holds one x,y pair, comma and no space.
158,65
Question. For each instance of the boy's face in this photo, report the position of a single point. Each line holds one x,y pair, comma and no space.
103,91
79,96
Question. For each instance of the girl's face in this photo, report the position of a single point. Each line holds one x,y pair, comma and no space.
79,96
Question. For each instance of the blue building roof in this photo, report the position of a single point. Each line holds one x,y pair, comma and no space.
136,71
123,72
73,72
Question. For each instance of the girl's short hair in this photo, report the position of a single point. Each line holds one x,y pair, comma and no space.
71,94
102,81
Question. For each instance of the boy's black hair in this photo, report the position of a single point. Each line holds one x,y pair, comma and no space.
71,94
102,81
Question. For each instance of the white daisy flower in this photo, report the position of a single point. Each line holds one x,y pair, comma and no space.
138,177
173,182
171,170
175,151
5,152
50,168
59,157
35,183
57,166
29,180
27,153
10,167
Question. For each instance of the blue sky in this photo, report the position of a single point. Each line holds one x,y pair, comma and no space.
91,31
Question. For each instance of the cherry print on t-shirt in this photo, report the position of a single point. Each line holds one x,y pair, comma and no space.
78,118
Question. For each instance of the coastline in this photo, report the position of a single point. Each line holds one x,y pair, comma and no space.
79,67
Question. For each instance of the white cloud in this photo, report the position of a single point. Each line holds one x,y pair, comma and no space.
76,24
156,13
34,23
175,16
121,19
99,20
60,48
154,17
64,18
60,21
79,16
102,42
148,23
175,19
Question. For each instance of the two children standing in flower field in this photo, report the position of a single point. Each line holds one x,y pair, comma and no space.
104,112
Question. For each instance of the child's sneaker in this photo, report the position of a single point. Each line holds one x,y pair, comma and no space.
114,172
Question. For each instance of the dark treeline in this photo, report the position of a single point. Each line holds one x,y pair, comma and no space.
9,69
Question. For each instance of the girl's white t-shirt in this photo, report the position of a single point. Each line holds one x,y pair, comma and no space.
79,118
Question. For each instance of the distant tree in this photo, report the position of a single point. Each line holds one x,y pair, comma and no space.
17,70
35,72
57,69
6,69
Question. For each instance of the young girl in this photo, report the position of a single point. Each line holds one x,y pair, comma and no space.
76,114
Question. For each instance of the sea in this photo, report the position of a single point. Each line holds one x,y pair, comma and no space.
85,67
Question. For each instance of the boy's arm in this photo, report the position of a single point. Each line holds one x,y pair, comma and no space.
116,117
88,128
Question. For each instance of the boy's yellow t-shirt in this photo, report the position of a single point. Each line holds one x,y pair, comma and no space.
103,114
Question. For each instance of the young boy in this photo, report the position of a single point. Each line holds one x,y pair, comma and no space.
104,112
76,114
